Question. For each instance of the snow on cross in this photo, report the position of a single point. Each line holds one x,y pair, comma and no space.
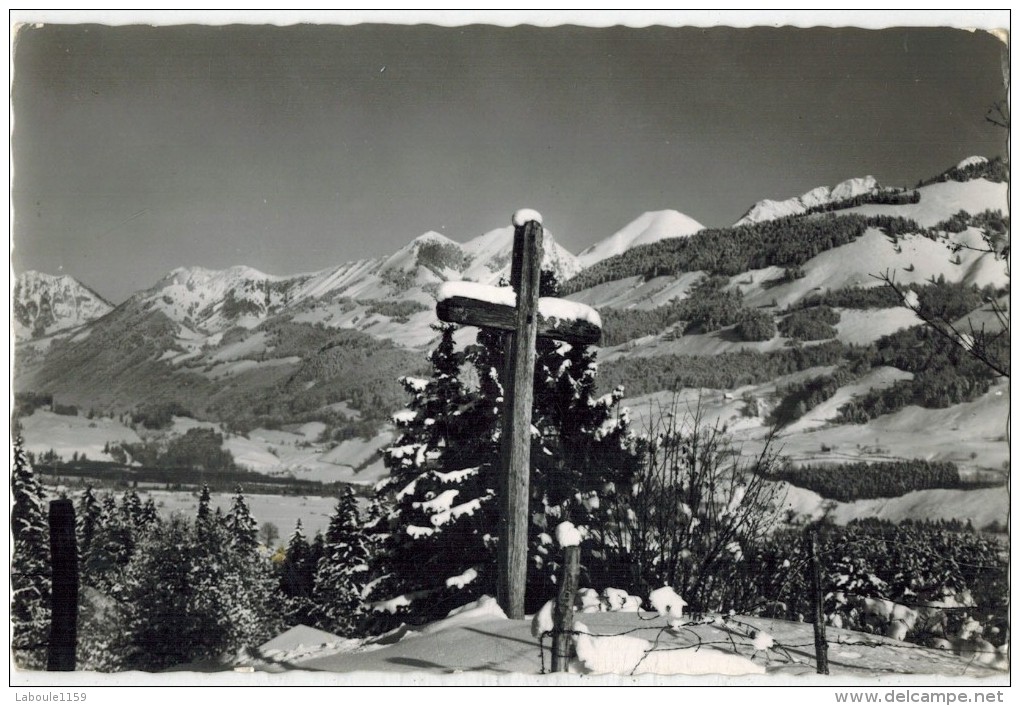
495,307
518,311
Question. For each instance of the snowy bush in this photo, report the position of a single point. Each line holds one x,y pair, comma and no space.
695,513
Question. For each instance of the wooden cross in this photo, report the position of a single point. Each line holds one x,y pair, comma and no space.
519,312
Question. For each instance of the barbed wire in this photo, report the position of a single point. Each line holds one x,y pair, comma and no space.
749,631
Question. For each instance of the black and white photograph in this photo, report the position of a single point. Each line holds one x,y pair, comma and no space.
511,348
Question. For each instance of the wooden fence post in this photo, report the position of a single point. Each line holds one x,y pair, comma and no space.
563,612
64,593
818,601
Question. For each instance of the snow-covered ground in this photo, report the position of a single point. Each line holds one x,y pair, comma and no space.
273,452
972,435
479,641
67,435
283,511
981,506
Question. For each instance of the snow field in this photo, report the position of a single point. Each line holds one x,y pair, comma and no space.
478,639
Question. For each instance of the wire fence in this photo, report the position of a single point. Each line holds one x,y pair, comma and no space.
926,620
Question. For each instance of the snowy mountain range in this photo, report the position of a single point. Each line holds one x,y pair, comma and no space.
208,301
331,345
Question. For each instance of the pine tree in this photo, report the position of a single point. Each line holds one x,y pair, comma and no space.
194,597
150,515
241,526
439,551
297,578
342,571
583,453
131,509
204,519
167,625
90,515
110,550
30,568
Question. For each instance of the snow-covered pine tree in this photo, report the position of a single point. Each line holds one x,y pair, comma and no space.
111,549
204,516
150,515
248,597
584,451
342,571
297,578
131,508
197,595
173,615
242,527
438,551
102,618
443,473
30,567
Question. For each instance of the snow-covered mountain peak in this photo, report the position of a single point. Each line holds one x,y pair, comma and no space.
212,298
203,276
768,209
853,187
431,250
649,227
433,237
45,304
971,161
488,256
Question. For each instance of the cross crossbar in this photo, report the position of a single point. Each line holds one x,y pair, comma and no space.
495,307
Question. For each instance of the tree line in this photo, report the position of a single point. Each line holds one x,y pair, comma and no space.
847,482
646,374
708,306
782,242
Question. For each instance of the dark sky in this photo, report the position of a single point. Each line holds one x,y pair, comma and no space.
139,149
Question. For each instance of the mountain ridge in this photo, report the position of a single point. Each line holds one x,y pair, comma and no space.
44,304
769,209
328,347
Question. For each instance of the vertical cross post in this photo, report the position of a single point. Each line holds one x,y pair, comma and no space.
515,441
64,592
